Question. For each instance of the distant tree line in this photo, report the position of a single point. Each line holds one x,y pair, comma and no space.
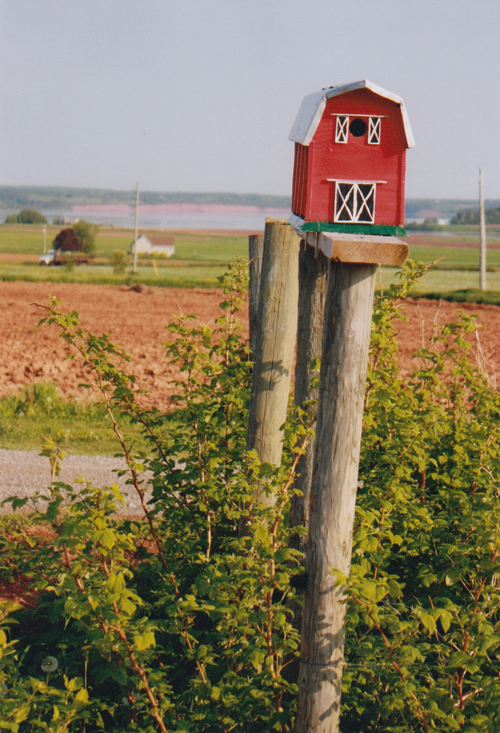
429,224
26,216
471,216
78,238
63,198
50,197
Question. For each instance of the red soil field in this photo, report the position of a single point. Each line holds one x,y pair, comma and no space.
137,321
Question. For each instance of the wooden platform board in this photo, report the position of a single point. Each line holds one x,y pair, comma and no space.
359,248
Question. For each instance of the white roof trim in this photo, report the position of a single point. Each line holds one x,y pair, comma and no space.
296,221
312,108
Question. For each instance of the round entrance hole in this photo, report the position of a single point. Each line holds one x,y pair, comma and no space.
358,127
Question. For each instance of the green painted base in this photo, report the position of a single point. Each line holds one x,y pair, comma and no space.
383,230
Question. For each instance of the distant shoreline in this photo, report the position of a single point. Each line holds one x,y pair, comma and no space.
58,199
53,197
188,208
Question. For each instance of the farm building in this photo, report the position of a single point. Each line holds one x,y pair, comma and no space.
154,244
350,160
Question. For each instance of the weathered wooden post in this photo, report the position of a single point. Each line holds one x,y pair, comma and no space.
275,343
333,492
255,251
348,202
313,272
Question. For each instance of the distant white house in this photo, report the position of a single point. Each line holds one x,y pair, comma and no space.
154,244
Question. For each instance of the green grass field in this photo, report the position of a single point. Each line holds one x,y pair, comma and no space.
442,282
28,239
453,257
188,276
24,238
39,412
200,258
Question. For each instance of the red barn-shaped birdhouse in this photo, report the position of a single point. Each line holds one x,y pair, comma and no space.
350,155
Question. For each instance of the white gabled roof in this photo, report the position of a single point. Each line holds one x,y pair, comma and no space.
312,108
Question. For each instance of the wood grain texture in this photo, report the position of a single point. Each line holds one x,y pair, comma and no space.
360,248
255,250
348,316
275,343
313,275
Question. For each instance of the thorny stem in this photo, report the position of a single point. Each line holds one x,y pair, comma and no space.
209,530
272,563
104,627
135,665
420,712
199,451
461,677
140,671
135,477
190,647
71,337
77,579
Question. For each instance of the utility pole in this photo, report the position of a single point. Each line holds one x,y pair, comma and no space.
482,234
134,264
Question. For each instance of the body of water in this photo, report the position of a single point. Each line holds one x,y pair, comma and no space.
244,221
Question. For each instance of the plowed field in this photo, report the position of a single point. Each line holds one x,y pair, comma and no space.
137,321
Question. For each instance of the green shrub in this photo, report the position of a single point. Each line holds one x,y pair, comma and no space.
120,260
41,397
423,645
12,219
69,262
177,623
31,216
86,234
176,614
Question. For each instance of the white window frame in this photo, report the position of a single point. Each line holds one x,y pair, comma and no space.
342,129
359,202
374,130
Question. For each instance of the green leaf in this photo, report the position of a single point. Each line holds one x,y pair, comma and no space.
82,695
144,640
445,618
215,693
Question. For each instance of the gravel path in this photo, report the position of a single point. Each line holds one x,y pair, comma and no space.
23,472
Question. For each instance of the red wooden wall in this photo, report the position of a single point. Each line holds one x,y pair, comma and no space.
356,160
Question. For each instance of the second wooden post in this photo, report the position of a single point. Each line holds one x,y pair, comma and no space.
274,344
348,317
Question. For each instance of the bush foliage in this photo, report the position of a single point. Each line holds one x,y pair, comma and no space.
119,260
67,241
174,622
471,216
26,216
86,234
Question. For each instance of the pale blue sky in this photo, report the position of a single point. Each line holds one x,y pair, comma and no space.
200,95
